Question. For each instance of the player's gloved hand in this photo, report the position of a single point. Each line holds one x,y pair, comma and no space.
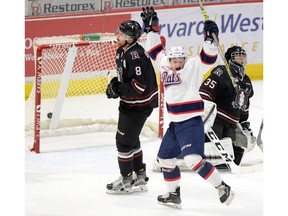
112,88
209,28
250,140
150,20
246,126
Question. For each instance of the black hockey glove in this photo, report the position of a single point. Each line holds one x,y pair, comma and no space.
150,20
246,126
112,88
210,27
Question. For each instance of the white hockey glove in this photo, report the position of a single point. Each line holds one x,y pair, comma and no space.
210,110
244,136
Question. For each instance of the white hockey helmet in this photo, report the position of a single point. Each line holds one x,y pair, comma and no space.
176,52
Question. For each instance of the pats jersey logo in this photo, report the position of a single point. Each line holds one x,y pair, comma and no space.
171,79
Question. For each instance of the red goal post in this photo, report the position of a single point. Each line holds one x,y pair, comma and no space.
68,95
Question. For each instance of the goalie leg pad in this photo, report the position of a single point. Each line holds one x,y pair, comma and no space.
212,154
210,112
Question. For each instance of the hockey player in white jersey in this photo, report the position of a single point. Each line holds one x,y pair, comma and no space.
182,78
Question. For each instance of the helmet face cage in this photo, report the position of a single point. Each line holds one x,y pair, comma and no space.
234,52
239,53
176,52
237,59
131,28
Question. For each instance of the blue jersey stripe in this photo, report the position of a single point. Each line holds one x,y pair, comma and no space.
154,51
185,107
207,59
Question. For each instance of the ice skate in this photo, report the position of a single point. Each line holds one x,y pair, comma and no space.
122,185
225,193
171,199
140,181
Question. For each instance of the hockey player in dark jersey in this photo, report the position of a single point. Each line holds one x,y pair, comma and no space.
136,85
232,102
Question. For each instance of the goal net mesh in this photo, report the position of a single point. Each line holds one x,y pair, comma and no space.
68,94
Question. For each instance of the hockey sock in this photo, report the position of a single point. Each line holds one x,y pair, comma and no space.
209,173
172,179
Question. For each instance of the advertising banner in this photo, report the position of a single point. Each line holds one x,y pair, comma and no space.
61,7
239,24
56,7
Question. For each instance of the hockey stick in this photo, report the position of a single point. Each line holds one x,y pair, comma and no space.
206,17
259,140
220,147
209,114
223,152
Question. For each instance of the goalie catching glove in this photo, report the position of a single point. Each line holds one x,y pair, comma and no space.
112,88
150,20
244,136
210,27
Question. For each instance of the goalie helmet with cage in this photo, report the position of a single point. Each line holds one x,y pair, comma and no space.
237,59
131,28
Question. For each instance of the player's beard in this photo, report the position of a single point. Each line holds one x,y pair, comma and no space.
119,43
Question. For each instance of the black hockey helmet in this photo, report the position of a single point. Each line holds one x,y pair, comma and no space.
131,28
230,55
232,51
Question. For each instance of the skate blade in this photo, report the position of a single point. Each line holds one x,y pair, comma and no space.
230,198
127,191
171,205
140,188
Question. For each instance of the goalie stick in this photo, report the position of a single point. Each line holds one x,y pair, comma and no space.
223,152
206,17
220,147
259,140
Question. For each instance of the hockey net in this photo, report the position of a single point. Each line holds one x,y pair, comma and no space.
68,95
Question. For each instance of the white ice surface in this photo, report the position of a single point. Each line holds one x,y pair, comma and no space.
72,181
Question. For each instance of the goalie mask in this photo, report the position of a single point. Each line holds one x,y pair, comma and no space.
237,59
177,57
131,28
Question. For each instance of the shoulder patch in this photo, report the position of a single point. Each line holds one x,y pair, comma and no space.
134,55
218,71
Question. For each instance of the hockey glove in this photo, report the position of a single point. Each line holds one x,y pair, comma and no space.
150,20
251,139
246,126
209,28
112,88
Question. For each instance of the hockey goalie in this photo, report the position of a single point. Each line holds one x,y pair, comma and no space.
244,139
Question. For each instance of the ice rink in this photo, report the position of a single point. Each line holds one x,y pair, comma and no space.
72,181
